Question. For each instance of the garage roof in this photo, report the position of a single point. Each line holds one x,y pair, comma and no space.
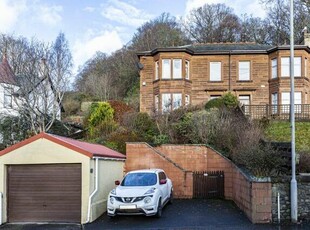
88,149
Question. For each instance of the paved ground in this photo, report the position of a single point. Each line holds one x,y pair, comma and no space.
182,214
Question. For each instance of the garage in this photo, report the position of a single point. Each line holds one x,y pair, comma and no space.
50,178
40,193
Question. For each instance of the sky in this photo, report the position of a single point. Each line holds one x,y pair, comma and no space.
97,25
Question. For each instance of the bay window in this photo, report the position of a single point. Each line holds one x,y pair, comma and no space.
274,67
285,66
177,68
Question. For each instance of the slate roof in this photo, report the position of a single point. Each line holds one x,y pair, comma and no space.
88,149
227,47
222,48
6,73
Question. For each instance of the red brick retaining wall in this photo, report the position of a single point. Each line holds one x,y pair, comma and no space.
179,161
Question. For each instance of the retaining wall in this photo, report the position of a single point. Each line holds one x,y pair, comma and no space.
179,161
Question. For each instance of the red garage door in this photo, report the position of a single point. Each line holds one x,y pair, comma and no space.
44,193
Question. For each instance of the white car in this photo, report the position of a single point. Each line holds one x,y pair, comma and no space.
142,192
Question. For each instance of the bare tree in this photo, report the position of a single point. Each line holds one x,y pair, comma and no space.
163,31
212,23
42,72
278,18
255,30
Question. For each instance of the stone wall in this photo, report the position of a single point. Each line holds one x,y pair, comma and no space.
283,188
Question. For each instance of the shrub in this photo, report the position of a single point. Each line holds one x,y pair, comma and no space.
228,100
100,121
120,109
117,140
161,139
142,124
214,103
261,160
71,106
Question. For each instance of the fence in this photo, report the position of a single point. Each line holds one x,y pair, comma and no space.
277,112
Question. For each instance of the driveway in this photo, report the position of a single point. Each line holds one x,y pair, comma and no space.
182,214
185,214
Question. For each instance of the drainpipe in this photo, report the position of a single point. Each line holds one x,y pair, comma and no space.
94,192
1,208
229,73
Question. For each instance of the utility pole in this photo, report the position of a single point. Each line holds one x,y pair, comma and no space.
292,116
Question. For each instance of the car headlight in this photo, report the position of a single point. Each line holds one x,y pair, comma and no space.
113,192
147,199
112,200
150,191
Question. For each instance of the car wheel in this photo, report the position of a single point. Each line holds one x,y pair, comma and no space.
159,209
171,197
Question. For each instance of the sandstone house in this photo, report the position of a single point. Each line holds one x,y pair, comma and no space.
259,75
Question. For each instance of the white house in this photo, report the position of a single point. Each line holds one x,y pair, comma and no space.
8,85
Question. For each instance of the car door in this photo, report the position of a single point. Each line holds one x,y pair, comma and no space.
163,187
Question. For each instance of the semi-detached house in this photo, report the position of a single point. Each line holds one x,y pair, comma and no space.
194,74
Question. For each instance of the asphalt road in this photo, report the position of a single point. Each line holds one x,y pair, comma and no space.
182,214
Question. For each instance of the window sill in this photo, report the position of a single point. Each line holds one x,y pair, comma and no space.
244,81
178,79
215,81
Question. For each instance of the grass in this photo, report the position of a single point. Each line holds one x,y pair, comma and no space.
281,131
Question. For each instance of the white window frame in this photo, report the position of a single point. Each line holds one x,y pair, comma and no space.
166,69
274,103
215,71
244,70
274,68
156,70
285,67
176,100
286,100
187,69
245,100
297,66
166,102
156,102
187,99
177,69
214,97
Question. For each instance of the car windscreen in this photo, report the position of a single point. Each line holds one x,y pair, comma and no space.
139,179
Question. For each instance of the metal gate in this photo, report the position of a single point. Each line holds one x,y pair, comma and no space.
208,184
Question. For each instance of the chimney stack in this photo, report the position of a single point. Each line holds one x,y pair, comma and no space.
306,36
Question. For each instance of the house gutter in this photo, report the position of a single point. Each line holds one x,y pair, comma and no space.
95,190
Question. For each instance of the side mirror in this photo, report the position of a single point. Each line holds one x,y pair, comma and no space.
163,181
117,182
